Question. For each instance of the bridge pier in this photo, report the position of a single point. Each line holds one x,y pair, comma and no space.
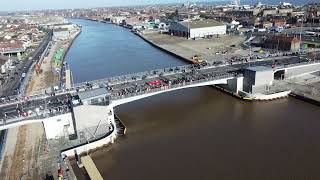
233,85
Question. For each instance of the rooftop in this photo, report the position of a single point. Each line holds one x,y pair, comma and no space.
92,93
201,23
283,39
260,68
61,29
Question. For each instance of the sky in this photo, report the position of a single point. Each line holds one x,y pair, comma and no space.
18,5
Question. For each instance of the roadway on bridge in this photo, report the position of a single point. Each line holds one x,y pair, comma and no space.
30,108
193,73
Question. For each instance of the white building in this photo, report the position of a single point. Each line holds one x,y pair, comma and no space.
197,29
61,33
118,19
163,26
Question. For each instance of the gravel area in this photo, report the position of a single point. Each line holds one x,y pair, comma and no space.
207,49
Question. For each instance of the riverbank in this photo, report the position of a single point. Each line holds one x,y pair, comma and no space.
25,155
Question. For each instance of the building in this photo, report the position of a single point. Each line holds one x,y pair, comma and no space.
68,26
8,48
242,12
279,22
282,43
313,14
313,10
61,33
131,21
197,29
163,26
285,11
118,20
257,78
267,24
270,12
93,97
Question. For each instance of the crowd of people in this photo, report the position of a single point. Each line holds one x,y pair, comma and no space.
190,75
44,107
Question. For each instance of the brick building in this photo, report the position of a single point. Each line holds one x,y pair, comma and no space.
282,43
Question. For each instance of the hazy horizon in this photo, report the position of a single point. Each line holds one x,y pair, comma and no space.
21,5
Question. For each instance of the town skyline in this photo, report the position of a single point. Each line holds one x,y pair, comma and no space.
16,5
32,5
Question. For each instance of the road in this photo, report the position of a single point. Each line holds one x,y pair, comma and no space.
50,105
13,83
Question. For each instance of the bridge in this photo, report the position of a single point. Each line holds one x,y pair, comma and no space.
66,108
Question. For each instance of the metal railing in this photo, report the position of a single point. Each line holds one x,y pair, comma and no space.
128,77
34,116
298,64
289,85
162,88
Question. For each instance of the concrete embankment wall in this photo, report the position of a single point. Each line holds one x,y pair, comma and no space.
99,115
66,73
105,140
264,97
163,49
305,98
70,44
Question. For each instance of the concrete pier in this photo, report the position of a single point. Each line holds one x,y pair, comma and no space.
91,168
68,79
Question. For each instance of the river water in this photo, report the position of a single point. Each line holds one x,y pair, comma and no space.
197,133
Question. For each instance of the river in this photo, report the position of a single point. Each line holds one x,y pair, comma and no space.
197,133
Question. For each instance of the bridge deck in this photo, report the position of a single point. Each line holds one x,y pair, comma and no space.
91,168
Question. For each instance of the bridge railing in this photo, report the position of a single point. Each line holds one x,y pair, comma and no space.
34,116
162,88
154,73
20,99
149,74
299,64
139,75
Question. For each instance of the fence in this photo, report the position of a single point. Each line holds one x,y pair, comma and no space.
303,89
34,116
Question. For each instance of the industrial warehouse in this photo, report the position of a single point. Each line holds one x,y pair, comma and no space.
197,29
